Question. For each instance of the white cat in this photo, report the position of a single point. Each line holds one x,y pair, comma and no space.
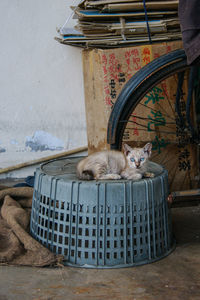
130,164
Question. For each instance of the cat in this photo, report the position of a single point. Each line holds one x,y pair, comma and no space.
131,163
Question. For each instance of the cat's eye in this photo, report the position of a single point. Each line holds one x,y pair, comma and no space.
132,159
142,159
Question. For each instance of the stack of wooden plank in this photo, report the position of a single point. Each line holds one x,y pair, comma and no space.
117,23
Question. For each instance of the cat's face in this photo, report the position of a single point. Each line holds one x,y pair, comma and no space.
136,157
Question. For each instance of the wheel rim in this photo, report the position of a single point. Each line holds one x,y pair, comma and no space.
153,117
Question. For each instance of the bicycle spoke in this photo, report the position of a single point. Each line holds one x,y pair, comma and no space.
173,171
153,130
166,160
145,119
165,114
158,123
169,102
162,108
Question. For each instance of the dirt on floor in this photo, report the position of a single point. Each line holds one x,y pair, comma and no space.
176,277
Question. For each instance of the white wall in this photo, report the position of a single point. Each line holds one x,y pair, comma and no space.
41,82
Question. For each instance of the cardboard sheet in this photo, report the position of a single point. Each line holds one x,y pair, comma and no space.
120,23
128,27
92,3
154,5
95,14
115,41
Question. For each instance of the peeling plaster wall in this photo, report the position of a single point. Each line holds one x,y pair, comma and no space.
41,82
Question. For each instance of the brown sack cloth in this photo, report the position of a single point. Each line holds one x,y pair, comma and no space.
17,247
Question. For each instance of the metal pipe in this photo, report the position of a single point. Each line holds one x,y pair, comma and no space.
194,192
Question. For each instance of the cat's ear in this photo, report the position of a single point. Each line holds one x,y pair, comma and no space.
147,148
126,149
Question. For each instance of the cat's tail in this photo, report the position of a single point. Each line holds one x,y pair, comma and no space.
86,175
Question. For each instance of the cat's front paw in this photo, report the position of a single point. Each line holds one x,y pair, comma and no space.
136,176
109,177
149,175
115,176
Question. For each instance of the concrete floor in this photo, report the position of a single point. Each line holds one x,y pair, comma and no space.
176,277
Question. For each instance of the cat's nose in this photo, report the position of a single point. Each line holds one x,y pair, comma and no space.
137,164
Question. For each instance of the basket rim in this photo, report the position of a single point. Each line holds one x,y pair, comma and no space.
75,159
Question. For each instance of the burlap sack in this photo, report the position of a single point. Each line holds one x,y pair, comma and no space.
17,247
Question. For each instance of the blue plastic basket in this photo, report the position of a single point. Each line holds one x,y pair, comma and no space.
101,224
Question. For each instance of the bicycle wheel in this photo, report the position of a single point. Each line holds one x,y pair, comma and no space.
152,106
